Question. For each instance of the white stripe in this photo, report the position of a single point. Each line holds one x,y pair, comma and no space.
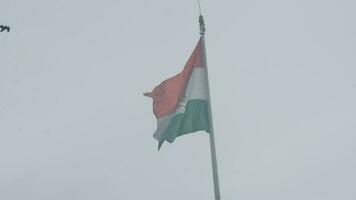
198,84
163,122
162,125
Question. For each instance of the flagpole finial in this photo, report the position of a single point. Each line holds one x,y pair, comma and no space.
201,21
201,25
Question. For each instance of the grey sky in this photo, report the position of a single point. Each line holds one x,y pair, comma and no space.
74,124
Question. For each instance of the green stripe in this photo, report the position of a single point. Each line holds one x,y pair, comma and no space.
195,118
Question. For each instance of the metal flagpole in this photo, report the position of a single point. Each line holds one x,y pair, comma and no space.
211,134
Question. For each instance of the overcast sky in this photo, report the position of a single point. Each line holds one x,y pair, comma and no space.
74,124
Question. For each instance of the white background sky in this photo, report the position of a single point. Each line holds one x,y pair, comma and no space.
74,124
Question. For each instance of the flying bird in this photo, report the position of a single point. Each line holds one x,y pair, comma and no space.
4,28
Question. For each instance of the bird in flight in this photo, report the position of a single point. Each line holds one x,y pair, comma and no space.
3,28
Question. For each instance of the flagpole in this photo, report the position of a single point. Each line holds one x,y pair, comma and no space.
211,134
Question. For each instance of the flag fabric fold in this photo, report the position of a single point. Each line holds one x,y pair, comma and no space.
181,103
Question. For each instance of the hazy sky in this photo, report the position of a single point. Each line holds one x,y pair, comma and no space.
74,124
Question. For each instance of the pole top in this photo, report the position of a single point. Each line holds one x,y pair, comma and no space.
201,25
201,21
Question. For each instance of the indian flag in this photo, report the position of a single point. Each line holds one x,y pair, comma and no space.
181,103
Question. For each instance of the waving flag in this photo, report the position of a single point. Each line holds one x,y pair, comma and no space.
181,103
